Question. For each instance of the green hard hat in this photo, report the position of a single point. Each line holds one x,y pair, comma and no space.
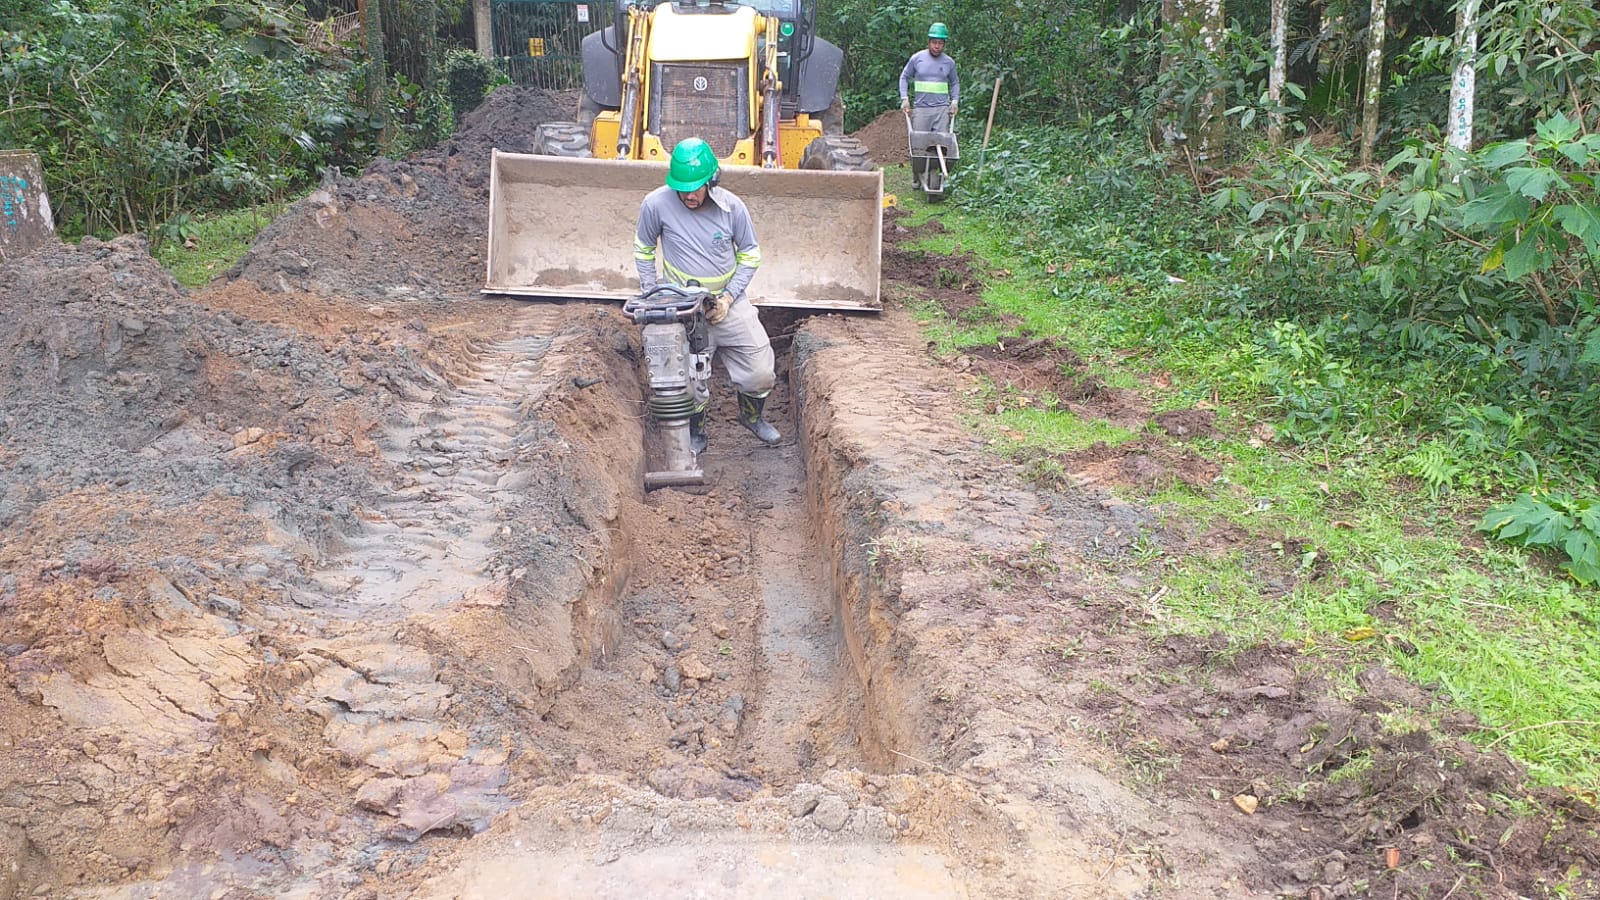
937,31
693,164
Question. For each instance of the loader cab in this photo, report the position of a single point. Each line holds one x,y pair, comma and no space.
700,67
702,79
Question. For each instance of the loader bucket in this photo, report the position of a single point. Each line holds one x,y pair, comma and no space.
563,227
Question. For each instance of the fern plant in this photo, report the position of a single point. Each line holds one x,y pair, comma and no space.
1436,465
1554,521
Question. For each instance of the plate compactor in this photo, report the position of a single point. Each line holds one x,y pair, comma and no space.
677,354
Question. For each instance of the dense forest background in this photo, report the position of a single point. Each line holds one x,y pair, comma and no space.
1385,212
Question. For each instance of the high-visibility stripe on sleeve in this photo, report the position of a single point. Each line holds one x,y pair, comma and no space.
644,252
749,257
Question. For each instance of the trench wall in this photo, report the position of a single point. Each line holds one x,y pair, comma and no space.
850,511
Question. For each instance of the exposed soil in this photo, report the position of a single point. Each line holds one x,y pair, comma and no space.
887,139
336,579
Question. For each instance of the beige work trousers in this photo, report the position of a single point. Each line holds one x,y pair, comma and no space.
741,342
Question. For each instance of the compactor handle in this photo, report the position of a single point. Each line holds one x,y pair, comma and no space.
665,304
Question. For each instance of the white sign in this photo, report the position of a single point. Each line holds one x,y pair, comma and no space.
583,12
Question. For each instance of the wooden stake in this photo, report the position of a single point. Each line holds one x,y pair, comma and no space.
994,101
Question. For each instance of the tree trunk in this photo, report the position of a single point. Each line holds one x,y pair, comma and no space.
1463,87
1278,73
377,68
482,34
1171,17
429,39
1373,81
1168,127
1213,29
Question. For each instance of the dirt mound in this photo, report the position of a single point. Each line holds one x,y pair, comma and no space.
885,139
125,385
95,331
359,238
506,120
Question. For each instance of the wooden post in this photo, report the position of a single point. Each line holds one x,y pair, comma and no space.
994,100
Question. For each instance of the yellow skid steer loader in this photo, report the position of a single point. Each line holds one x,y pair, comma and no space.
751,79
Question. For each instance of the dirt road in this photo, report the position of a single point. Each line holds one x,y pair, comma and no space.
335,579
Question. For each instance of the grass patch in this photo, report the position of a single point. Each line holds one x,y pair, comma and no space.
1054,429
202,246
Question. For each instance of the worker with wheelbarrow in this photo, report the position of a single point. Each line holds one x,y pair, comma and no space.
930,92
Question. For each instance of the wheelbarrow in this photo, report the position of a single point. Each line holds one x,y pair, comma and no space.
935,147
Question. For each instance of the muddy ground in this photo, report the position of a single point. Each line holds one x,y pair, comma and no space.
335,579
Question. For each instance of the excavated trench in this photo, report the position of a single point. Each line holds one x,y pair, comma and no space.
728,644
515,616
730,714
713,651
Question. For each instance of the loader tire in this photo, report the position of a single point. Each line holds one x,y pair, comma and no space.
561,139
836,153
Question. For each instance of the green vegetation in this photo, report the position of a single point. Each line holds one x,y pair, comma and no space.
1557,521
149,115
200,247
1354,460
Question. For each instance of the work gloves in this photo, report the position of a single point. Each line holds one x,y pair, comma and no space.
905,104
717,308
952,111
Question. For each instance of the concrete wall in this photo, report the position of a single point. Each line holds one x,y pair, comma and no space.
25,219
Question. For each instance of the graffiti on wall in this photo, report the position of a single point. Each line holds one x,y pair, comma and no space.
25,217
13,200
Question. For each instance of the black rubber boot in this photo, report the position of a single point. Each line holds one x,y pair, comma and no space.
750,417
697,432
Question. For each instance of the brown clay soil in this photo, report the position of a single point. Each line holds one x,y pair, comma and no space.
336,579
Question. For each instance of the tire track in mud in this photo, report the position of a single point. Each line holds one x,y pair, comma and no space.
379,600
430,545
293,737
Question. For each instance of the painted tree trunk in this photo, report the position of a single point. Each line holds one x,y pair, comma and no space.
1213,31
1277,75
1463,86
1373,80
482,34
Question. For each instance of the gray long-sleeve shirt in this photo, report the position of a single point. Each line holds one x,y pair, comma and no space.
932,78
714,245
